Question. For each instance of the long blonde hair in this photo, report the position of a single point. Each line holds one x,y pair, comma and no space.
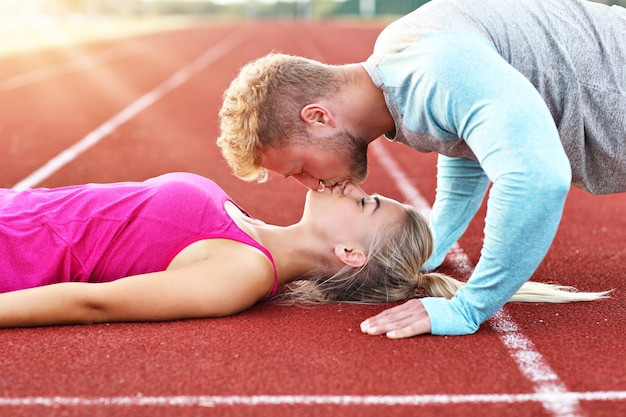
393,273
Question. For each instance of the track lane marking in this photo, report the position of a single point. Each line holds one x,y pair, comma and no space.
528,360
208,57
278,400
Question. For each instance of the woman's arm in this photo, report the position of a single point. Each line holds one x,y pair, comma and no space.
221,285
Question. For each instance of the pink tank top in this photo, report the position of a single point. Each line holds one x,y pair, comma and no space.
103,232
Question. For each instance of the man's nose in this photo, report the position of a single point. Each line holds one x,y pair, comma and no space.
309,181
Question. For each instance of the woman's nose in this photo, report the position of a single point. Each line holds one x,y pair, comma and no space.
350,189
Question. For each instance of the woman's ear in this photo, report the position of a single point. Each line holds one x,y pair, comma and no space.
350,256
317,115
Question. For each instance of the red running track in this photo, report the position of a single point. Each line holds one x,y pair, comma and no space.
119,99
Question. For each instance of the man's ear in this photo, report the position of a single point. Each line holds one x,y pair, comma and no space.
316,114
350,256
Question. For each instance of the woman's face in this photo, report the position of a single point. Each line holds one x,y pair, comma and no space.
347,212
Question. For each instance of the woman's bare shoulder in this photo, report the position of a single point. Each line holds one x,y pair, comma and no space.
227,258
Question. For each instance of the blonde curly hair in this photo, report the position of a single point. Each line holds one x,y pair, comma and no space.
261,108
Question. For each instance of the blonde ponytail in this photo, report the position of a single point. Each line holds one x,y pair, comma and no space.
440,285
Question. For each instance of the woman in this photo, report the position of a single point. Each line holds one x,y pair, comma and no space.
185,250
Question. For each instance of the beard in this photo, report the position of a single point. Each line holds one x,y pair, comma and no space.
352,150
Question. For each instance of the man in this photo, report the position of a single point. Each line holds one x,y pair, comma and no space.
529,96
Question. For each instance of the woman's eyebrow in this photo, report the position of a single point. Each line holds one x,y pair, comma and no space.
377,200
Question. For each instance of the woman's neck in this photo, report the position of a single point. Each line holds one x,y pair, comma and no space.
293,247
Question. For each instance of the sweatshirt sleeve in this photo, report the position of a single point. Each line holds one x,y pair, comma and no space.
475,95
461,187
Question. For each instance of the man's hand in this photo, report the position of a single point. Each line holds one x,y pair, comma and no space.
406,320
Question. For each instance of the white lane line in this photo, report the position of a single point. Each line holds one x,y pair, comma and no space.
534,367
529,361
309,400
69,154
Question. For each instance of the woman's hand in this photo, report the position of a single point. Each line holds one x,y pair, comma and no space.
406,320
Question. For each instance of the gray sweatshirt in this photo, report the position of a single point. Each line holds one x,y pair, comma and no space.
526,95
573,52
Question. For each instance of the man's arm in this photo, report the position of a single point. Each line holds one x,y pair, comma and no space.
480,98
461,187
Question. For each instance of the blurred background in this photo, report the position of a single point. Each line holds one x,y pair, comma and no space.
31,24
300,9
25,24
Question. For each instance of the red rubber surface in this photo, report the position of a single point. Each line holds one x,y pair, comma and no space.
192,368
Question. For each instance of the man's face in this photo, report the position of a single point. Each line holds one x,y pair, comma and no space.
327,161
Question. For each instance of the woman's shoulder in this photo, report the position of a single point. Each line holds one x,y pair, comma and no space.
240,265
